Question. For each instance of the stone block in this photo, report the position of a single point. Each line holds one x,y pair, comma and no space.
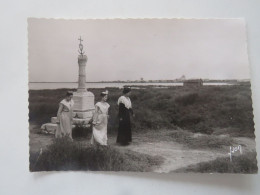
75,120
49,128
83,101
83,115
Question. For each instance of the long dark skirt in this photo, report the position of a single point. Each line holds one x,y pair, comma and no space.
124,136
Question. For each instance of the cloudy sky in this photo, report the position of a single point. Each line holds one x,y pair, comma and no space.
128,49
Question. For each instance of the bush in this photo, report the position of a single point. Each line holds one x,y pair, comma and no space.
201,110
64,154
200,140
187,99
202,127
189,119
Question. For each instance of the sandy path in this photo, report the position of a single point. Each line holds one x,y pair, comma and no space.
177,156
174,154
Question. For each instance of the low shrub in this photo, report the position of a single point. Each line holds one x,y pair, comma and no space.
201,110
64,154
189,119
202,127
200,140
187,99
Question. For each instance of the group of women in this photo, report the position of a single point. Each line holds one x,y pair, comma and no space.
99,120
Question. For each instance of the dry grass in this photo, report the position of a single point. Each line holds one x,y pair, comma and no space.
66,155
188,139
245,163
203,109
201,141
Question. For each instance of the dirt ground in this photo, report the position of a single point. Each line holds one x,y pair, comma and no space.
175,155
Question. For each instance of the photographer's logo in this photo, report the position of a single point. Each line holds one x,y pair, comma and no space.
233,150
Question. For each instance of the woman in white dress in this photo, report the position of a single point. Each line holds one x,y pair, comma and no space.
100,120
64,117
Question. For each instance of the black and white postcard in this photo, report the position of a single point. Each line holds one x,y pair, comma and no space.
140,95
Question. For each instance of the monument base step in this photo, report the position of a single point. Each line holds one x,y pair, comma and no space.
78,121
50,128
83,114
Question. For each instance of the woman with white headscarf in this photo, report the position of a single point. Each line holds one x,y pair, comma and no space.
100,120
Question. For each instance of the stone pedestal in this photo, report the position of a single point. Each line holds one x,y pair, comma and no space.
83,105
82,60
83,101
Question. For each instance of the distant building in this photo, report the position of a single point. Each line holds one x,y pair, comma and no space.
193,83
182,78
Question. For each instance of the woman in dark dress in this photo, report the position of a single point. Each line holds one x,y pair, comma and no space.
124,136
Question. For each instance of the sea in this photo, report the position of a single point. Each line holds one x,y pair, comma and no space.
72,85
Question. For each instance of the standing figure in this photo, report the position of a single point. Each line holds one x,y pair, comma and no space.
65,117
100,120
124,136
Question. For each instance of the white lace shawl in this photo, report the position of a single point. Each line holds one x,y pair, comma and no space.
126,101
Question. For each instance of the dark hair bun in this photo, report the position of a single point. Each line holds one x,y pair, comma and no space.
126,90
69,93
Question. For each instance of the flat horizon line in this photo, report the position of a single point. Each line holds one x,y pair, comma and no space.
135,81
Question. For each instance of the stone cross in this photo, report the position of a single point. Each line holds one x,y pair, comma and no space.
81,52
80,40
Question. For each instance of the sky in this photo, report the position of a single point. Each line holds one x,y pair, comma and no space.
130,49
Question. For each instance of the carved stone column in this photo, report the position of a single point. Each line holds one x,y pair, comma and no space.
83,99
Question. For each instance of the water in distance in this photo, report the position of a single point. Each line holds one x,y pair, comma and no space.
72,85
